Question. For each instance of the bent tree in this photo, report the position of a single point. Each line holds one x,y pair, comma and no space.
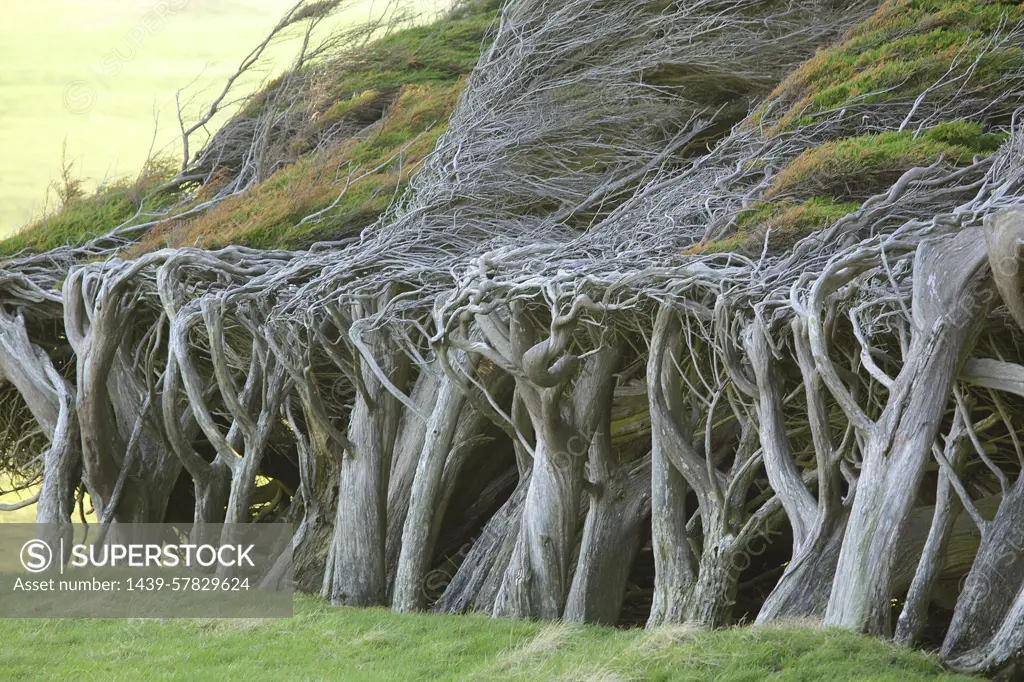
601,347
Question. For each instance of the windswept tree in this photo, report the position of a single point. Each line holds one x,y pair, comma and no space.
672,325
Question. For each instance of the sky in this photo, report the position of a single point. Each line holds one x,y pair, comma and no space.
100,77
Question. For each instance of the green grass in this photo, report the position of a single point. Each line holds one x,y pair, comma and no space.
322,643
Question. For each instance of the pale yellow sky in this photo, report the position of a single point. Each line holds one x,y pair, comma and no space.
102,75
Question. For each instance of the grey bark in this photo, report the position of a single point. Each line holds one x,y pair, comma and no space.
949,278
536,583
412,431
619,501
914,616
417,545
110,395
475,584
984,634
356,567
62,468
675,569
804,587
319,454
619,504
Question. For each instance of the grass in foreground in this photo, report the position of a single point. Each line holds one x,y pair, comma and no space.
373,644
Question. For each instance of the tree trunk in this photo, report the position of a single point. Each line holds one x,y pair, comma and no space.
412,431
914,617
475,584
536,582
611,539
985,632
710,600
358,576
948,277
319,456
153,468
62,469
674,571
674,561
417,546
212,488
804,588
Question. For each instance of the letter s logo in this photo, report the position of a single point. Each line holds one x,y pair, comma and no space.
36,556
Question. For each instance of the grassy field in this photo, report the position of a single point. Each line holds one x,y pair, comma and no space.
102,76
24,515
322,643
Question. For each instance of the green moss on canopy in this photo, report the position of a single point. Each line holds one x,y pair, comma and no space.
905,47
409,81
361,87
783,223
110,206
857,167
878,69
404,86
337,181
831,180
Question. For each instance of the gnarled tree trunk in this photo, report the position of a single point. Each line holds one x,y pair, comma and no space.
949,277
356,573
